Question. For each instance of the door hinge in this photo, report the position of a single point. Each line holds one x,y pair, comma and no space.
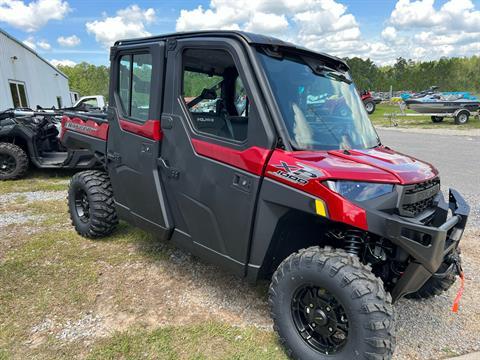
171,172
171,44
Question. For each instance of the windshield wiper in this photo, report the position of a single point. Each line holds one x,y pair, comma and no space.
321,69
339,77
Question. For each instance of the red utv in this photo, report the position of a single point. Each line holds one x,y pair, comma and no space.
369,101
272,170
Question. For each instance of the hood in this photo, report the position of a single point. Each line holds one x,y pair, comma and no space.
380,164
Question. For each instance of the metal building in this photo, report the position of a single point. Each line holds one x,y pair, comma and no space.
27,79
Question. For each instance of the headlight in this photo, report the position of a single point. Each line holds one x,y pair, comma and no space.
359,191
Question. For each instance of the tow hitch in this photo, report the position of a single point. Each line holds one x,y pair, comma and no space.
456,302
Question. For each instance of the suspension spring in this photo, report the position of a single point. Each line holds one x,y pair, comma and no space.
354,240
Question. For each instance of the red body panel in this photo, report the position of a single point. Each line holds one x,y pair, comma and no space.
305,170
88,127
252,159
151,129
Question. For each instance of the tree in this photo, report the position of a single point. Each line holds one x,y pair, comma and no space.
87,79
450,74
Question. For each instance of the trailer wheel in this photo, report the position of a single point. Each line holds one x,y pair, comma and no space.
370,107
13,161
437,119
91,205
462,117
326,304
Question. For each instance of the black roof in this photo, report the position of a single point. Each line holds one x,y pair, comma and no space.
250,38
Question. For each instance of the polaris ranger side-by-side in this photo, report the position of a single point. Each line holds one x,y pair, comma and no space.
33,137
259,156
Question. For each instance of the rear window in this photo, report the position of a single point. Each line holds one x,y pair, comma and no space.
134,84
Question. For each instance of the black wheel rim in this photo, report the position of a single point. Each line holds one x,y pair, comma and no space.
82,206
320,319
8,164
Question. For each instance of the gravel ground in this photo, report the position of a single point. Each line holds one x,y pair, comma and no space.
32,196
148,294
16,218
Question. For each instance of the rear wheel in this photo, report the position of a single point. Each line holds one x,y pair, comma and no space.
325,304
13,161
437,119
370,107
462,117
90,203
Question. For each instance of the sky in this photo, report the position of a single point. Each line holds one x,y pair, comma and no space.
69,32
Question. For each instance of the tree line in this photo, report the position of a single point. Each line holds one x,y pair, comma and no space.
450,74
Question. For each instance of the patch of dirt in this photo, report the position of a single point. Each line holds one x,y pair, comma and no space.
14,236
183,290
180,291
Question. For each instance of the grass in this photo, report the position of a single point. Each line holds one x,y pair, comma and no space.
212,340
38,180
54,273
424,122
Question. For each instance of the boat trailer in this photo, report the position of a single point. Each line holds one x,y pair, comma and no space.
461,116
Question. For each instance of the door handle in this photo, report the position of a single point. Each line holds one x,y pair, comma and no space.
242,182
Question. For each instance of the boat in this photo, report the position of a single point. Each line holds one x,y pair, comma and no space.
433,90
442,104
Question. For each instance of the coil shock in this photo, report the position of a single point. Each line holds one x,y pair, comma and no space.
354,240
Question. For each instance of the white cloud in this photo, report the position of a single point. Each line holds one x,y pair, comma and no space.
34,15
389,34
69,41
323,25
44,44
417,29
30,42
267,23
434,31
128,23
64,62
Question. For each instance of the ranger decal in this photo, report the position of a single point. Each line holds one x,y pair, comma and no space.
298,173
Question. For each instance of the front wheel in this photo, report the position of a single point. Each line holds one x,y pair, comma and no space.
326,304
91,205
13,162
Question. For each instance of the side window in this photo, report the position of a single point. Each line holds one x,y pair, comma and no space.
124,82
194,83
241,99
134,81
214,94
19,97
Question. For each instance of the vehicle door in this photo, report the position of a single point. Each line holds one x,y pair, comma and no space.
215,148
135,136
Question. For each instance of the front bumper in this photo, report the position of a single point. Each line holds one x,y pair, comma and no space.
427,245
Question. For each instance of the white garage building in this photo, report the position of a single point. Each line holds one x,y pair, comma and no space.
27,79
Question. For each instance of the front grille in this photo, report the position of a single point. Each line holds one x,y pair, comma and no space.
419,197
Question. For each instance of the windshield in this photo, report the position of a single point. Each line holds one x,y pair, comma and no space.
321,108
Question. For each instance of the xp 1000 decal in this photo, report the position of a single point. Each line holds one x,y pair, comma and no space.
298,173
